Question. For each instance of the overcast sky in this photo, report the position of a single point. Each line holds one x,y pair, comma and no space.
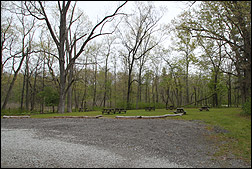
98,9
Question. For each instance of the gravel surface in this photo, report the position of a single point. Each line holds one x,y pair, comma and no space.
108,143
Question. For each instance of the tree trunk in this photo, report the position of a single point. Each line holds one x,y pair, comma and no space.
62,38
76,99
115,83
70,91
61,106
195,96
129,83
34,90
22,95
110,93
13,80
229,91
43,86
70,76
62,85
167,97
152,90
138,88
187,84
84,97
105,84
156,85
94,96
215,97
27,84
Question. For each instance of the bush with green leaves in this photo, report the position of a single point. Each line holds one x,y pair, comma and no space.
50,96
246,107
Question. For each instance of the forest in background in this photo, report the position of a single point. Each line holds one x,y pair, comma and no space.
52,55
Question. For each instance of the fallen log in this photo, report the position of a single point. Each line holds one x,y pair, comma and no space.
178,114
148,117
128,117
83,117
15,117
161,116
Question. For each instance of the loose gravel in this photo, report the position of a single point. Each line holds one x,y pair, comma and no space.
108,143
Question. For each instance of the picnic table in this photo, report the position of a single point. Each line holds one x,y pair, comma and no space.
204,108
180,110
113,110
149,108
120,110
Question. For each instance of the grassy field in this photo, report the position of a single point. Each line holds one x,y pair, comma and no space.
236,141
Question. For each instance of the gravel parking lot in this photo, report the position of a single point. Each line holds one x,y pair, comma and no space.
108,143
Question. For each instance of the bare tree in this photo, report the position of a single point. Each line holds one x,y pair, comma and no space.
39,12
139,29
25,49
109,42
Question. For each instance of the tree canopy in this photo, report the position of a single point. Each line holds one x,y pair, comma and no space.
52,54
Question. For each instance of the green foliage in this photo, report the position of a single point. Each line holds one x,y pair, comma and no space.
246,107
141,105
50,95
121,104
12,112
159,105
17,112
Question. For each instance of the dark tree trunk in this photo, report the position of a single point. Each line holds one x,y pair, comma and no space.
215,97
61,48
13,80
34,90
22,95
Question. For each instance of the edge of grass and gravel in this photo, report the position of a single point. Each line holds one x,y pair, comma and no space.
231,131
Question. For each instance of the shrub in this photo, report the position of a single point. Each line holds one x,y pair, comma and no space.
14,112
50,96
246,107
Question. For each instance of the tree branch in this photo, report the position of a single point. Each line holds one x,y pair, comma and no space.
49,25
92,36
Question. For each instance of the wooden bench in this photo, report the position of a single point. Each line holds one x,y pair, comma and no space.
204,108
180,110
149,108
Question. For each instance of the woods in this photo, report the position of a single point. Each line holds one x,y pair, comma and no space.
53,55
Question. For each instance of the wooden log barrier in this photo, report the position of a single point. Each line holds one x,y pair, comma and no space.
83,117
15,117
148,117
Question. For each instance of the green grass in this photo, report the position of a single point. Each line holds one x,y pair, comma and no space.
141,112
237,141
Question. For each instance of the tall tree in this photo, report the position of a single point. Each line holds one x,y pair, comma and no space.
108,41
23,51
138,30
39,12
230,22
186,45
